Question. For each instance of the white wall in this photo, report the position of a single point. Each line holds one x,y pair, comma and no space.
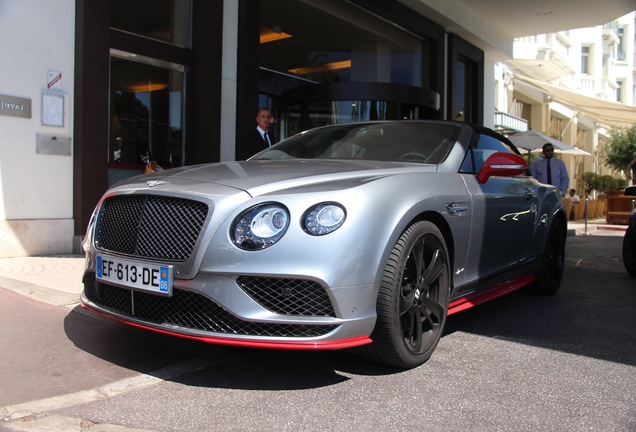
228,83
36,193
489,92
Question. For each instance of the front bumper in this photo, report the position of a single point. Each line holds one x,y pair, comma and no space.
222,310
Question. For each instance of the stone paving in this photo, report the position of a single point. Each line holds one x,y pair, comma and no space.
60,272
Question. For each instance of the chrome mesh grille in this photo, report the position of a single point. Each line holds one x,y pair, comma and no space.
150,226
189,310
288,296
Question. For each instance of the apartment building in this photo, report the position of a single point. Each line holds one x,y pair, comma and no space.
573,85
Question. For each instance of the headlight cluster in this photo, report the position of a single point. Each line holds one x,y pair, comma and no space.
261,226
323,219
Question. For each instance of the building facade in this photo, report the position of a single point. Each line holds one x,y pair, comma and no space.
575,86
92,89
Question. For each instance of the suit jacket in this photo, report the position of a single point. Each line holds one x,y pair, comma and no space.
252,143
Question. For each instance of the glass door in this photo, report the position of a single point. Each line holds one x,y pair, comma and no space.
146,116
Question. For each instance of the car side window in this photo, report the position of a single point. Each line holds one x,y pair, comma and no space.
477,154
468,165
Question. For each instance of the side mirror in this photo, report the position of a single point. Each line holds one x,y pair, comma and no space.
630,191
502,164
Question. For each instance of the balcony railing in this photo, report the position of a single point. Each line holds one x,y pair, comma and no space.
587,82
507,124
562,46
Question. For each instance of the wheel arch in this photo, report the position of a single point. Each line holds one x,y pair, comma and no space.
441,224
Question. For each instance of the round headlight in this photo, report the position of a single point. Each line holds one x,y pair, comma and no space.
324,218
260,227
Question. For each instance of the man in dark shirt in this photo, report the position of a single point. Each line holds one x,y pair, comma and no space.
257,139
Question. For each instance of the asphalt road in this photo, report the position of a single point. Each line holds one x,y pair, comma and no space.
519,363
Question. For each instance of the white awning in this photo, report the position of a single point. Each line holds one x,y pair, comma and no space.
605,112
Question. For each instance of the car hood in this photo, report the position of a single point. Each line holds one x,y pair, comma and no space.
271,176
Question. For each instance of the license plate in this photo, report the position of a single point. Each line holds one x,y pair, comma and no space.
133,274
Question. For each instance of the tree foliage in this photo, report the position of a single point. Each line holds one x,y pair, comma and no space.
608,183
620,150
592,181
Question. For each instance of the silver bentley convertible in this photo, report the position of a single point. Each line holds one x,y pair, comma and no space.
364,235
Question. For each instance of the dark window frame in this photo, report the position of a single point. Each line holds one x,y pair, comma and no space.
94,38
461,50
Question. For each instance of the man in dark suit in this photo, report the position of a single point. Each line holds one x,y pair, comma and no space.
257,139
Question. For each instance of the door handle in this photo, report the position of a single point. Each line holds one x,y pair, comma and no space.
455,209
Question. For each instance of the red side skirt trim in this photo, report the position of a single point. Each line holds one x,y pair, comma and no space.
498,290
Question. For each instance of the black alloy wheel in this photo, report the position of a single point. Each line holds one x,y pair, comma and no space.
413,300
550,274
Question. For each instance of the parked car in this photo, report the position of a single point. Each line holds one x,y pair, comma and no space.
364,235
629,241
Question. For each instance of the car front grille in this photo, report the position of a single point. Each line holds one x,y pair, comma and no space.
150,226
188,310
288,296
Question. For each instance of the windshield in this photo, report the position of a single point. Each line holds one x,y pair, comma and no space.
399,141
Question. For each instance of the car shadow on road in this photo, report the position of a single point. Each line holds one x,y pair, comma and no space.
116,343
240,368
592,315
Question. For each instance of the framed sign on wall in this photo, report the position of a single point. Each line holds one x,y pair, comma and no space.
53,109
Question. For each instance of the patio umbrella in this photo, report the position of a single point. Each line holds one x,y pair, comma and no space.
532,140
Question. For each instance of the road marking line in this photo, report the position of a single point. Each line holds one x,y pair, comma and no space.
12,412
56,422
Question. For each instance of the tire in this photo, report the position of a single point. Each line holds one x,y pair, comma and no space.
629,254
550,274
413,299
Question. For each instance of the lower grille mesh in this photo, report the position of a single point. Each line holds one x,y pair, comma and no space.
189,310
288,296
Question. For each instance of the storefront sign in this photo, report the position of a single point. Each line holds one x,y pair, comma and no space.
15,106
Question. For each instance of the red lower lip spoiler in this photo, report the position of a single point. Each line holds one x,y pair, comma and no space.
326,345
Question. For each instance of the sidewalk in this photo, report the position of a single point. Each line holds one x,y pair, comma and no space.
595,227
56,280
53,358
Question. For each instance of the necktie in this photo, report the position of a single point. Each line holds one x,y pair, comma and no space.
549,173
266,138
